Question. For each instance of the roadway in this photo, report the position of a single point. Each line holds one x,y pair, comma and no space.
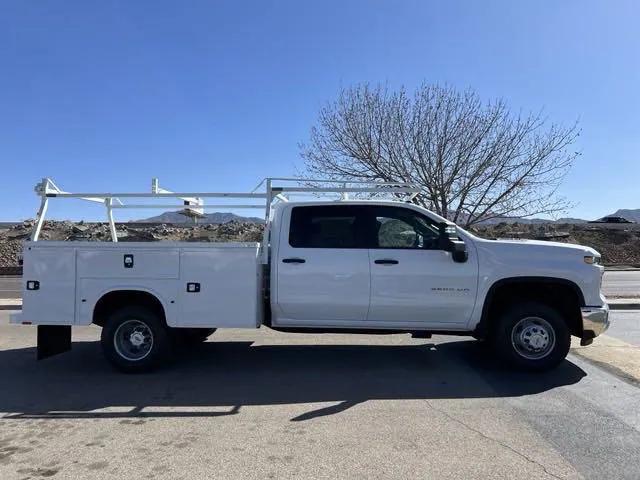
625,325
621,283
10,286
259,404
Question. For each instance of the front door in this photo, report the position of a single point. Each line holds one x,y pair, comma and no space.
322,267
413,281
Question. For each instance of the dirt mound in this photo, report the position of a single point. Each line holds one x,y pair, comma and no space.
618,245
11,239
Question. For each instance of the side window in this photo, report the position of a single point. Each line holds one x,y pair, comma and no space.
396,233
326,227
403,228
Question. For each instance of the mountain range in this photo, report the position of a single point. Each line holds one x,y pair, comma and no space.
629,214
213,217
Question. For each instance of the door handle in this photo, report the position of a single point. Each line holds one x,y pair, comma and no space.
386,261
293,260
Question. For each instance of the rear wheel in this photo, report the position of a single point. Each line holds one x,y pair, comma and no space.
532,336
135,339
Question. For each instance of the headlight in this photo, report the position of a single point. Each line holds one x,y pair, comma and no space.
592,259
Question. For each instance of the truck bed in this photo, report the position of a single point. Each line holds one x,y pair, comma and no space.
206,285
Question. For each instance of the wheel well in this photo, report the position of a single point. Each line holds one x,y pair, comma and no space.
112,301
563,295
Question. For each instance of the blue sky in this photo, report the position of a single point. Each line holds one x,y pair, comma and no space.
212,95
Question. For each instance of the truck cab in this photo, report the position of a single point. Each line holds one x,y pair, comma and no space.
373,265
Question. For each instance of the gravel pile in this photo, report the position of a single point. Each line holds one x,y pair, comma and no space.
618,246
11,239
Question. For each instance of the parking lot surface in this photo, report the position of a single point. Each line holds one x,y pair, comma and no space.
10,286
260,404
621,283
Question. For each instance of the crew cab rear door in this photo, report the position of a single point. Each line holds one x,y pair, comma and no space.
322,267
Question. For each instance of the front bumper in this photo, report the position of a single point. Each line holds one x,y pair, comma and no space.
595,320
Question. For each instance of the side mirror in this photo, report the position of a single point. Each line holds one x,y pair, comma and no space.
459,251
450,242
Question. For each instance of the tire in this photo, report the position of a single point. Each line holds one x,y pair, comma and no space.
532,336
135,339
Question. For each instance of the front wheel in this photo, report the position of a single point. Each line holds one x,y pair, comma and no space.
134,339
532,336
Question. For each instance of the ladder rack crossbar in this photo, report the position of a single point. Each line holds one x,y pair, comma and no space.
158,195
340,182
276,189
381,189
344,183
220,205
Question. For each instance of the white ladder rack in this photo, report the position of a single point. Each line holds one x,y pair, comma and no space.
275,189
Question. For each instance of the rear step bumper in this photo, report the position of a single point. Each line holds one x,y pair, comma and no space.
52,339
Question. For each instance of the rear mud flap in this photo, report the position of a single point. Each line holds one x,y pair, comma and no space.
53,339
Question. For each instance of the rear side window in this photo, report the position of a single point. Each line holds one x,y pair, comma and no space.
326,227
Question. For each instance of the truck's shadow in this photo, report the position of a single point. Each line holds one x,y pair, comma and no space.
221,377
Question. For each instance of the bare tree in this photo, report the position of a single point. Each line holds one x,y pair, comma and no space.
474,161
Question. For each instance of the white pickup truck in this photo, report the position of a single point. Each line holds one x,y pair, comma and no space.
356,266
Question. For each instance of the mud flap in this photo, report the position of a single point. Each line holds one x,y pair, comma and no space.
53,339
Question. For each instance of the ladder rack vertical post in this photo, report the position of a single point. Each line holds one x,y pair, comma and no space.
112,226
265,232
42,211
344,195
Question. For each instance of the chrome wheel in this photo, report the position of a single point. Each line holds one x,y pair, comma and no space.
533,338
133,340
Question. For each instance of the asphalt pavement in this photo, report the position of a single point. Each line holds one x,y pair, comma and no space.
625,325
258,404
625,283
10,287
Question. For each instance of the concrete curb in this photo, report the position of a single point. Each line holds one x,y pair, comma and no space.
609,353
10,304
624,306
